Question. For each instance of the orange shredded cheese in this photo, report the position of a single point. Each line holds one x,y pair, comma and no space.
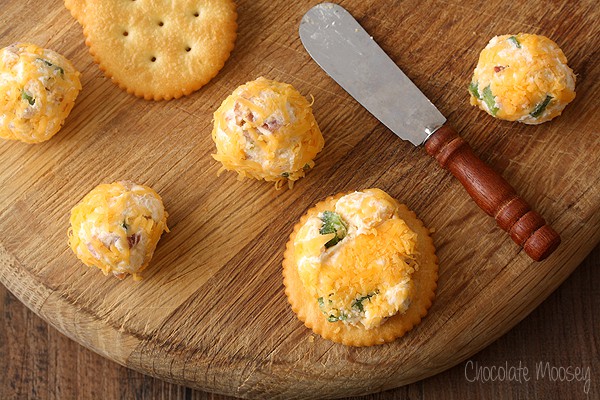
116,228
365,277
38,88
266,130
522,78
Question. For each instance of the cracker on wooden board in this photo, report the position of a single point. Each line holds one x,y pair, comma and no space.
307,309
77,9
158,50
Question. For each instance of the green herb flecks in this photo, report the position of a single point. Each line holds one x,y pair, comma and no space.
474,89
48,63
515,41
332,314
541,107
306,167
490,100
28,97
285,175
358,303
335,318
124,225
333,223
321,302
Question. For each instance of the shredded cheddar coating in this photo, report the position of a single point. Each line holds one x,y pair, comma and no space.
116,228
522,78
266,130
366,276
38,88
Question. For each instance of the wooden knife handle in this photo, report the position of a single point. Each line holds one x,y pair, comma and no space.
493,194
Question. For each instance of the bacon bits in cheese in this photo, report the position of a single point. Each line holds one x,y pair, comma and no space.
522,78
266,130
116,228
360,268
38,88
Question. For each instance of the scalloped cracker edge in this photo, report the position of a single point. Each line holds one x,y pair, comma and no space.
158,51
307,309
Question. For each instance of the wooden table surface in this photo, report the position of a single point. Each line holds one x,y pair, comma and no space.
191,331
564,331
211,311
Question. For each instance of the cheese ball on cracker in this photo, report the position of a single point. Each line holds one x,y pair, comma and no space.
116,228
38,88
266,130
522,78
360,268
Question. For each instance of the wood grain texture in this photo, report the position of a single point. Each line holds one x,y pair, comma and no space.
211,311
564,330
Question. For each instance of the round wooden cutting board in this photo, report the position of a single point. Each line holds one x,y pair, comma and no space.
211,311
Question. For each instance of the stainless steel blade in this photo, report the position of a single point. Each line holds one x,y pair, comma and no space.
337,42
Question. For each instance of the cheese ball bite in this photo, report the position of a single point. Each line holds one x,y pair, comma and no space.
38,88
522,78
116,228
360,269
266,130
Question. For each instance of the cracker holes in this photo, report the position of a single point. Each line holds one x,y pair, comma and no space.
153,59
196,14
161,24
188,49
125,33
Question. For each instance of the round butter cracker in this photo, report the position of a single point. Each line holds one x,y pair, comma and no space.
77,9
307,309
160,50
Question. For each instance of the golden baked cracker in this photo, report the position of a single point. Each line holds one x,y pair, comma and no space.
160,50
77,9
307,309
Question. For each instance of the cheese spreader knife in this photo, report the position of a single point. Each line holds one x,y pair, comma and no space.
337,42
